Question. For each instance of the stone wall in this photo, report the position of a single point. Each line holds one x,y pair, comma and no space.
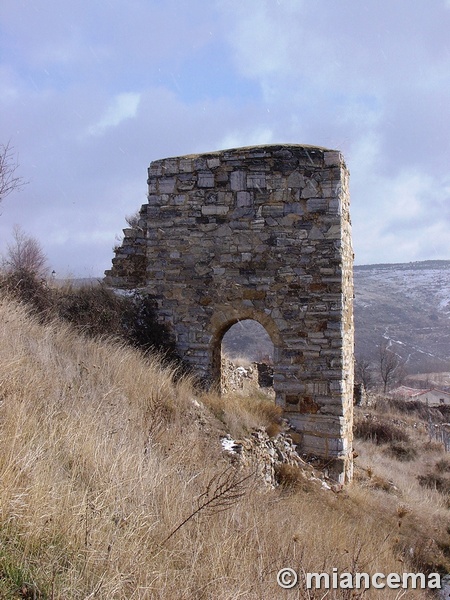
257,233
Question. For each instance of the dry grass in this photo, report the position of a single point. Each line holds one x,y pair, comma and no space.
242,413
103,455
414,486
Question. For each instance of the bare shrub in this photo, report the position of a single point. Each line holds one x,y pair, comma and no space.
443,465
133,219
409,407
291,477
380,431
29,289
381,483
96,311
222,492
273,429
25,255
432,446
435,481
402,451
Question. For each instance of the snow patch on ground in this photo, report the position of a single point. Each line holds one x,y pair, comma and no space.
229,445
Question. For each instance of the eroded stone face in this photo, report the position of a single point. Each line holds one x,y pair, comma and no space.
257,233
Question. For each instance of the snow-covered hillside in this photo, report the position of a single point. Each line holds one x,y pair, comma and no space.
408,304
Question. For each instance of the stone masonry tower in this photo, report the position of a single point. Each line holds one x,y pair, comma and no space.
257,233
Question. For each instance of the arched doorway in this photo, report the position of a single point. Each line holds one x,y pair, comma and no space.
246,357
248,339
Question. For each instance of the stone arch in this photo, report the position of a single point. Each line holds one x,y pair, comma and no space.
222,321
262,233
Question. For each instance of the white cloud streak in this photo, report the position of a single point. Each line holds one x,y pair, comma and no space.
123,106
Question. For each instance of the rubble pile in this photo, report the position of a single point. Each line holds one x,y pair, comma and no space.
240,378
267,455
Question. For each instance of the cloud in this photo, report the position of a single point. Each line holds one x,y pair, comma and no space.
372,80
254,27
406,218
123,106
255,137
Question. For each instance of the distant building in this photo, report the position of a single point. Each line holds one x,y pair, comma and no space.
432,397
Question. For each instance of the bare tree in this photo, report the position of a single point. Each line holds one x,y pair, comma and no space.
25,254
364,373
391,365
9,181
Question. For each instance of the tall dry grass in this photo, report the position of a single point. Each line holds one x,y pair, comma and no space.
103,455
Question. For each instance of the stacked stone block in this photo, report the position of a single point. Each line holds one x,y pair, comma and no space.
257,233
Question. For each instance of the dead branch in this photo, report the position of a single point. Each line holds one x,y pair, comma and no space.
9,181
222,491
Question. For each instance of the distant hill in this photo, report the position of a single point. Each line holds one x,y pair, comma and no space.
406,303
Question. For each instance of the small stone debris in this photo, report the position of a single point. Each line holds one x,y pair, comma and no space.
243,379
266,455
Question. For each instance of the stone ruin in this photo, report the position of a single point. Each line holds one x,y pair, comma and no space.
257,233
246,379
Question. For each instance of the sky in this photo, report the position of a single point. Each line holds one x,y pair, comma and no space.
92,91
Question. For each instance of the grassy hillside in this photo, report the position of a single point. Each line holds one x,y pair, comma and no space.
103,455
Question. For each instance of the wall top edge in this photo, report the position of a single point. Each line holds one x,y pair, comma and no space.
266,148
